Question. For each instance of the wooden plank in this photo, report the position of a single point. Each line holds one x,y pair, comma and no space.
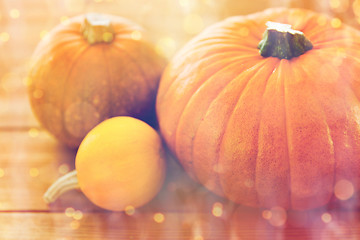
30,161
243,224
15,112
106,226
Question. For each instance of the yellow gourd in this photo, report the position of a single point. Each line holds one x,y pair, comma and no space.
119,163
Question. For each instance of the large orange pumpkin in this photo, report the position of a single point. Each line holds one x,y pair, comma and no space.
280,129
91,68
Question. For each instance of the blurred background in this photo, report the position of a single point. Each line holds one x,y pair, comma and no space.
171,22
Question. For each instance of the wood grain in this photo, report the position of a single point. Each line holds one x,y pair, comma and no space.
244,224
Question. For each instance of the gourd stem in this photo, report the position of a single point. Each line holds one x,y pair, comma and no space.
281,41
62,185
97,28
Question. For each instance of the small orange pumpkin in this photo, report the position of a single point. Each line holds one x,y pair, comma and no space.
120,164
274,130
93,67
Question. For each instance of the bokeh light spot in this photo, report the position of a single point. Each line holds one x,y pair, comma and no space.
14,13
4,36
38,93
266,214
193,24
217,209
27,81
278,216
33,132
75,224
334,3
63,169
43,34
74,5
64,20
339,5
326,217
78,215
356,7
159,217
130,210
344,189
336,23
69,212
107,36
184,3
136,35
166,46
34,172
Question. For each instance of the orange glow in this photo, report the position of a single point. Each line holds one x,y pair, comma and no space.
278,216
63,169
159,217
34,172
64,19
78,215
356,7
14,13
193,24
344,189
217,209
43,34
75,224
336,23
266,214
33,132
129,210
69,212
321,20
166,46
136,35
198,238
326,217
38,94
339,5
4,36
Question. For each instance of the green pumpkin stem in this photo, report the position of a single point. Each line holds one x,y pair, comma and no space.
97,28
281,41
65,183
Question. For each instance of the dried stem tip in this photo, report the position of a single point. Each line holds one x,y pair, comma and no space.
60,186
281,41
97,28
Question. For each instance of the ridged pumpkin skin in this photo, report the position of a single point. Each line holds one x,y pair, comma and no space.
260,131
74,85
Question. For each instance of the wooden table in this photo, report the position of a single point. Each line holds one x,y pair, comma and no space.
31,159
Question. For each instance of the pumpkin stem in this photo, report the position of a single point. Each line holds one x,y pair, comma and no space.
97,28
65,183
281,41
